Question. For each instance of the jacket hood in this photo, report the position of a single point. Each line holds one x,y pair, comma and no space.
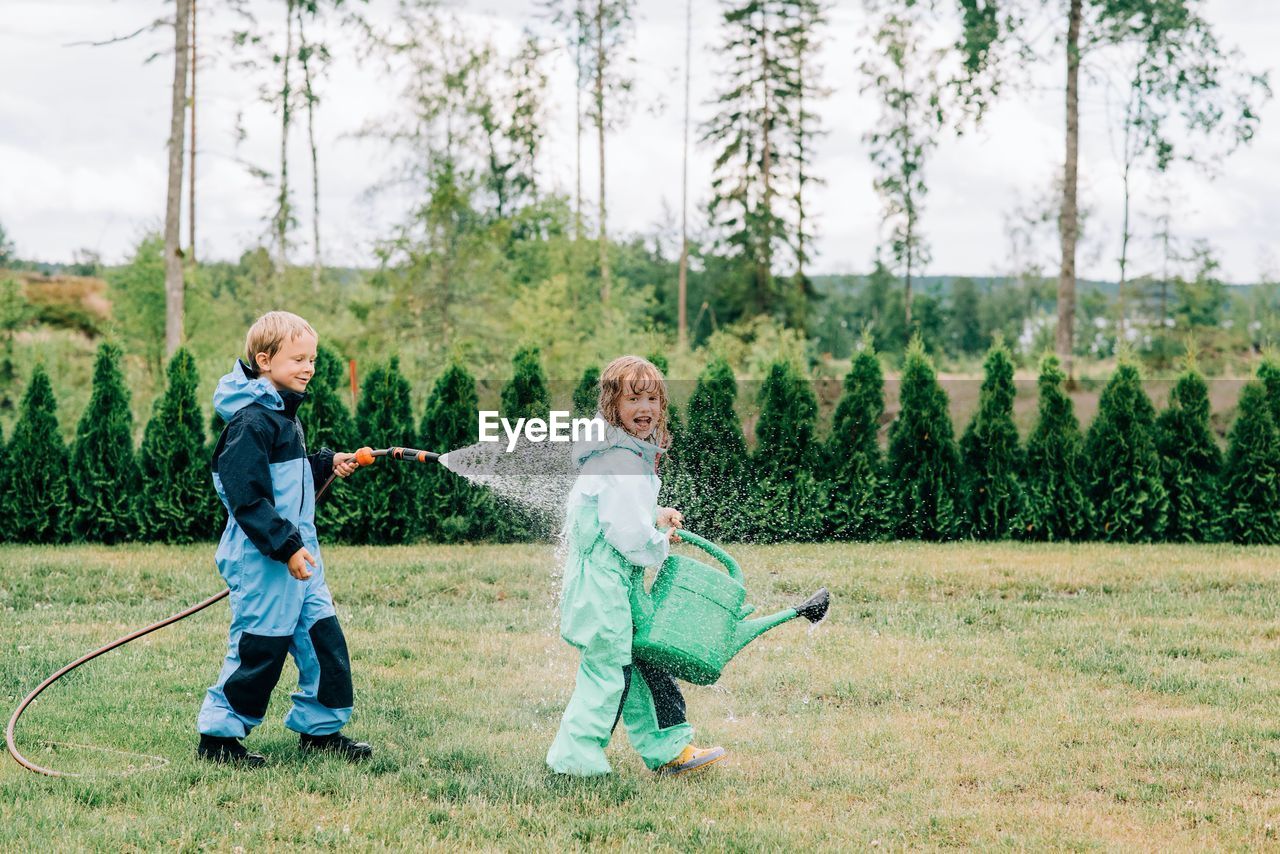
614,437
242,387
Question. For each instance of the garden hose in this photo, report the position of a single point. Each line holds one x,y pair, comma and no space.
364,456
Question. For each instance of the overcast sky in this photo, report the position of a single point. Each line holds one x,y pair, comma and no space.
83,133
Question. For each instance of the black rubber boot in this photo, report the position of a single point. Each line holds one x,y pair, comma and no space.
352,751
228,751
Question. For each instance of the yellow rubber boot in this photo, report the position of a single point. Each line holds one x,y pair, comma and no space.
691,759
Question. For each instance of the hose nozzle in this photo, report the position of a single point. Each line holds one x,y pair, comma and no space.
367,456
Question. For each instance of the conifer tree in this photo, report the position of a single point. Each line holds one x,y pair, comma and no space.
526,394
38,482
1269,374
706,481
453,509
1191,460
6,497
924,462
993,461
386,493
104,482
673,411
788,501
178,503
1055,506
1124,487
327,423
1251,476
857,489
586,397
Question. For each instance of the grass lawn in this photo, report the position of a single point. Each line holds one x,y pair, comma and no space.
963,694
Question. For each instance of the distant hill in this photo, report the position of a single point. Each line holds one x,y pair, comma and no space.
941,285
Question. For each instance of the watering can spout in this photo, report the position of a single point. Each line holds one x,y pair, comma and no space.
813,610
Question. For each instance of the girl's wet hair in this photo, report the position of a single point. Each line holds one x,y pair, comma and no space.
634,374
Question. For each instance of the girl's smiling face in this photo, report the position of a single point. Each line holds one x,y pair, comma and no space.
638,410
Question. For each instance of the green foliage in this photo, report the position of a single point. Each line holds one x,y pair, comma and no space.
857,491
451,508
788,500
965,324
104,473
1055,507
178,503
1251,476
1124,486
993,461
526,394
137,296
6,495
386,494
923,463
1192,462
586,397
37,481
709,460
327,423
15,313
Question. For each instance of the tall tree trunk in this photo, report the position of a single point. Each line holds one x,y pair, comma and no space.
315,161
1068,220
579,12
173,283
764,271
908,200
1124,250
191,164
604,240
682,304
282,208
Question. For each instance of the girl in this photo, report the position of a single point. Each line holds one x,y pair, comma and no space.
611,532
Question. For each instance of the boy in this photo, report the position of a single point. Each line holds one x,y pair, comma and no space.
269,555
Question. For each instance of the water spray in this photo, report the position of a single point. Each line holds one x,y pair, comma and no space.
364,456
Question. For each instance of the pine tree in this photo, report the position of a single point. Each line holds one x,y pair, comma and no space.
453,509
6,496
386,493
38,486
707,477
327,423
1269,374
924,462
178,503
1124,488
1055,506
788,501
993,461
526,394
857,490
1192,461
1251,477
586,397
104,487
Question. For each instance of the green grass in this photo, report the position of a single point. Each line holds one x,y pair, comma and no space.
958,695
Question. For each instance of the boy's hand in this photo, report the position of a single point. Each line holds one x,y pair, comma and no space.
670,516
298,564
344,464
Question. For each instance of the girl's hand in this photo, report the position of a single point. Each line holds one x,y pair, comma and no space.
344,464
670,516
673,535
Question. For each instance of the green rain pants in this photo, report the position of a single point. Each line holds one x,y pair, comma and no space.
595,617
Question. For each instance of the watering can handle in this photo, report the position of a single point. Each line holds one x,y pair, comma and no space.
716,552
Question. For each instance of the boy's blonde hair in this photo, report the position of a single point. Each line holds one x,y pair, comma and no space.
641,376
270,331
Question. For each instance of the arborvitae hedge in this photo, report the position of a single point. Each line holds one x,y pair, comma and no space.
178,503
1125,489
327,423
6,495
452,509
1192,462
788,500
1251,477
586,397
1054,507
526,394
857,490
386,494
993,461
38,474
924,463
104,484
706,481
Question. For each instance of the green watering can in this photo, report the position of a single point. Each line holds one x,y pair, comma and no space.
693,620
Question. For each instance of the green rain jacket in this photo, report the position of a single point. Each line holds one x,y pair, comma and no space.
610,531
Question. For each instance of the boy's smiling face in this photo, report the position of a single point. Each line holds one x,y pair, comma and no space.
293,364
638,411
